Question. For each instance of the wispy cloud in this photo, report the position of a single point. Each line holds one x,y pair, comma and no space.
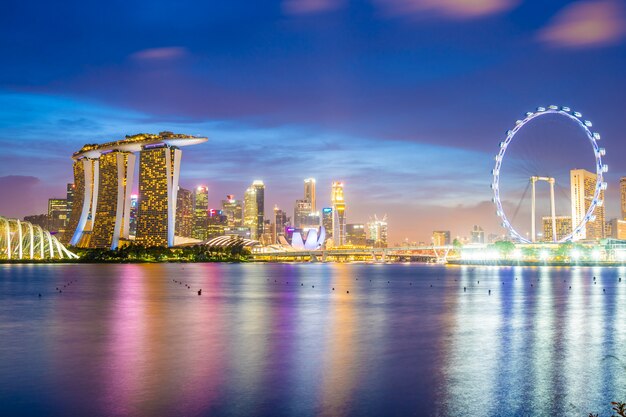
586,24
302,7
165,53
452,9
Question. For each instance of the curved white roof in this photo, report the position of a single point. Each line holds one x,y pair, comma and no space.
135,143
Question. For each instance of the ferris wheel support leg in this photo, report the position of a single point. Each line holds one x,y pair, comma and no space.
553,210
532,202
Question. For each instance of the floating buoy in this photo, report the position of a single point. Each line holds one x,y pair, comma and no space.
200,291
489,292
347,292
464,288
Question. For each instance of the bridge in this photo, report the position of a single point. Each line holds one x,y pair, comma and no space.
435,254
21,240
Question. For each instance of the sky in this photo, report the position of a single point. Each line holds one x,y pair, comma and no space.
405,101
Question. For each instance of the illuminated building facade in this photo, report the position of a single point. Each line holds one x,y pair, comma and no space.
478,235
57,215
441,238
86,173
309,192
233,210
184,213
281,221
563,227
259,188
216,224
200,213
250,212
159,169
300,212
327,222
583,186
112,218
159,165
355,234
377,231
339,214
133,215
616,229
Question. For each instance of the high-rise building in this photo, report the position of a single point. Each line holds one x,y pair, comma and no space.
280,222
200,213
250,211
339,214
86,173
377,231
57,215
159,169
441,237
132,226
70,199
184,213
232,209
622,190
309,192
355,234
583,187
113,203
478,234
260,207
300,212
327,221
617,229
217,223
563,227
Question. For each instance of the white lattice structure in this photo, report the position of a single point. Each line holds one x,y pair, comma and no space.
22,240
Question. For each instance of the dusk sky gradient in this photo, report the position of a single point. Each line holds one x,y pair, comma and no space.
404,100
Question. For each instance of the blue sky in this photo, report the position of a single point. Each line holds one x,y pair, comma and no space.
404,100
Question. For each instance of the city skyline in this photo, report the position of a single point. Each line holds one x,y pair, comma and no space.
378,118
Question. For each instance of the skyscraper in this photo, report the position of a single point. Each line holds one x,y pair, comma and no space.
583,186
309,192
112,216
250,211
563,227
217,223
200,213
300,212
260,207
377,231
478,234
441,237
355,234
184,213
159,169
158,185
233,210
622,190
57,215
327,222
280,222
86,173
339,214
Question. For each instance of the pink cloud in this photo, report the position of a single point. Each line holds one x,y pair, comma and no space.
452,9
586,24
299,7
165,53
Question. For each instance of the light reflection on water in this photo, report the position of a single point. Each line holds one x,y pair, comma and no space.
406,340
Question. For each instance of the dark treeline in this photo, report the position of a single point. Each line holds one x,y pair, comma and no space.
139,253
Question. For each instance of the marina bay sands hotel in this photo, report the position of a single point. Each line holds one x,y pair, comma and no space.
103,180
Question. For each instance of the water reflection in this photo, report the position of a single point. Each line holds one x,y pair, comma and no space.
276,340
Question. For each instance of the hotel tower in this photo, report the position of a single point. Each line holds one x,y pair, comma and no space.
103,177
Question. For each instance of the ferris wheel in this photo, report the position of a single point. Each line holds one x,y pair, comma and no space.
600,168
